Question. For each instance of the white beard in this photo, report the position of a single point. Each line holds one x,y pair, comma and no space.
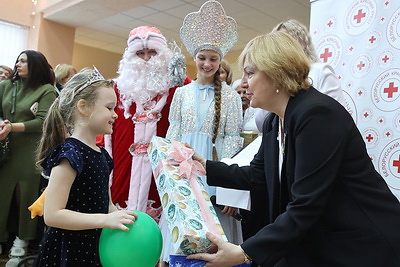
140,81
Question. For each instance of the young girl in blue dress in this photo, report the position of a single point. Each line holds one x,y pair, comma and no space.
77,204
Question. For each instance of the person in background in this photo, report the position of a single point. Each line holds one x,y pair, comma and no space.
34,92
5,72
207,114
237,86
77,204
144,91
225,72
249,122
321,74
63,73
327,205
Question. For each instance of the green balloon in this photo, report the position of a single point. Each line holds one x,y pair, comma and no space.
139,247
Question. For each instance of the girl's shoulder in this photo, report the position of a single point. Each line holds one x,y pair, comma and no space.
70,150
227,91
188,88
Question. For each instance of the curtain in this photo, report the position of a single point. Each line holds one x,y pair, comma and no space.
14,39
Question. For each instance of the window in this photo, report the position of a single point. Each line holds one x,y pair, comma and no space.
14,40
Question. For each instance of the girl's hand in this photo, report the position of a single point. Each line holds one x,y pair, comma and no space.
229,210
118,219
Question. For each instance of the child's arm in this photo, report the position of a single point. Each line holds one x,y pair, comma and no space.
111,206
56,215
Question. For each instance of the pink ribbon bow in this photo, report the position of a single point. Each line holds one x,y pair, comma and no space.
183,156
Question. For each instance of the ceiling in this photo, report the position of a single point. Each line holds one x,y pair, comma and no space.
105,24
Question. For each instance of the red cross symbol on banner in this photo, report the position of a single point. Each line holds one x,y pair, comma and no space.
385,59
396,163
372,39
359,16
325,55
361,65
369,138
390,90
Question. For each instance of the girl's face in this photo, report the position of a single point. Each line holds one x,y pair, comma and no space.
222,74
260,88
4,74
207,63
103,114
22,66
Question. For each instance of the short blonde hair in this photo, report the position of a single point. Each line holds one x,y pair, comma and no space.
62,71
281,58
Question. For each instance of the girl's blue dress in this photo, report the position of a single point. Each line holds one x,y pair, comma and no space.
88,194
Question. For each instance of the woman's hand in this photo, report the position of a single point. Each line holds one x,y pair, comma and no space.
197,156
118,219
228,254
5,129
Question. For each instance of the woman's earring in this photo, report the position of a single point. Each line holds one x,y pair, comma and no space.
277,91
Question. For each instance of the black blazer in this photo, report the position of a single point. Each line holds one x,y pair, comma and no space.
331,207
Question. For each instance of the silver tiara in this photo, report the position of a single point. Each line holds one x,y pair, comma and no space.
95,76
209,29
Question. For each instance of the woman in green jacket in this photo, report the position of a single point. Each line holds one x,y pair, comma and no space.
32,85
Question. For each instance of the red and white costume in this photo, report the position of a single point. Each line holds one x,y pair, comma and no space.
144,97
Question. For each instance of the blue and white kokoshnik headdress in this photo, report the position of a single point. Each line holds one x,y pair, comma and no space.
209,29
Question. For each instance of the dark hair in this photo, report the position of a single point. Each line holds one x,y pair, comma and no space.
39,70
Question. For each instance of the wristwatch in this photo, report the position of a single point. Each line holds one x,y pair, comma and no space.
246,258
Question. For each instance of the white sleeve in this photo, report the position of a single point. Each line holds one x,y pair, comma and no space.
325,80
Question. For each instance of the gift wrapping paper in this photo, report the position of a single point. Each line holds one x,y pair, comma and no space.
186,204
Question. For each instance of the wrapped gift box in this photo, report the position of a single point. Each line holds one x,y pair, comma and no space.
186,204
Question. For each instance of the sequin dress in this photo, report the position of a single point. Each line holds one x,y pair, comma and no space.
192,119
88,194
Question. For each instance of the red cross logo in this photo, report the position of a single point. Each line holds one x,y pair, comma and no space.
326,55
359,16
360,65
388,134
366,115
396,163
390,90
330,23
369,138
372,39
385,59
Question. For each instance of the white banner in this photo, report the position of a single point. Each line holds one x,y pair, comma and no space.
361,40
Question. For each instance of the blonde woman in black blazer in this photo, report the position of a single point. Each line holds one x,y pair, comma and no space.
327,205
